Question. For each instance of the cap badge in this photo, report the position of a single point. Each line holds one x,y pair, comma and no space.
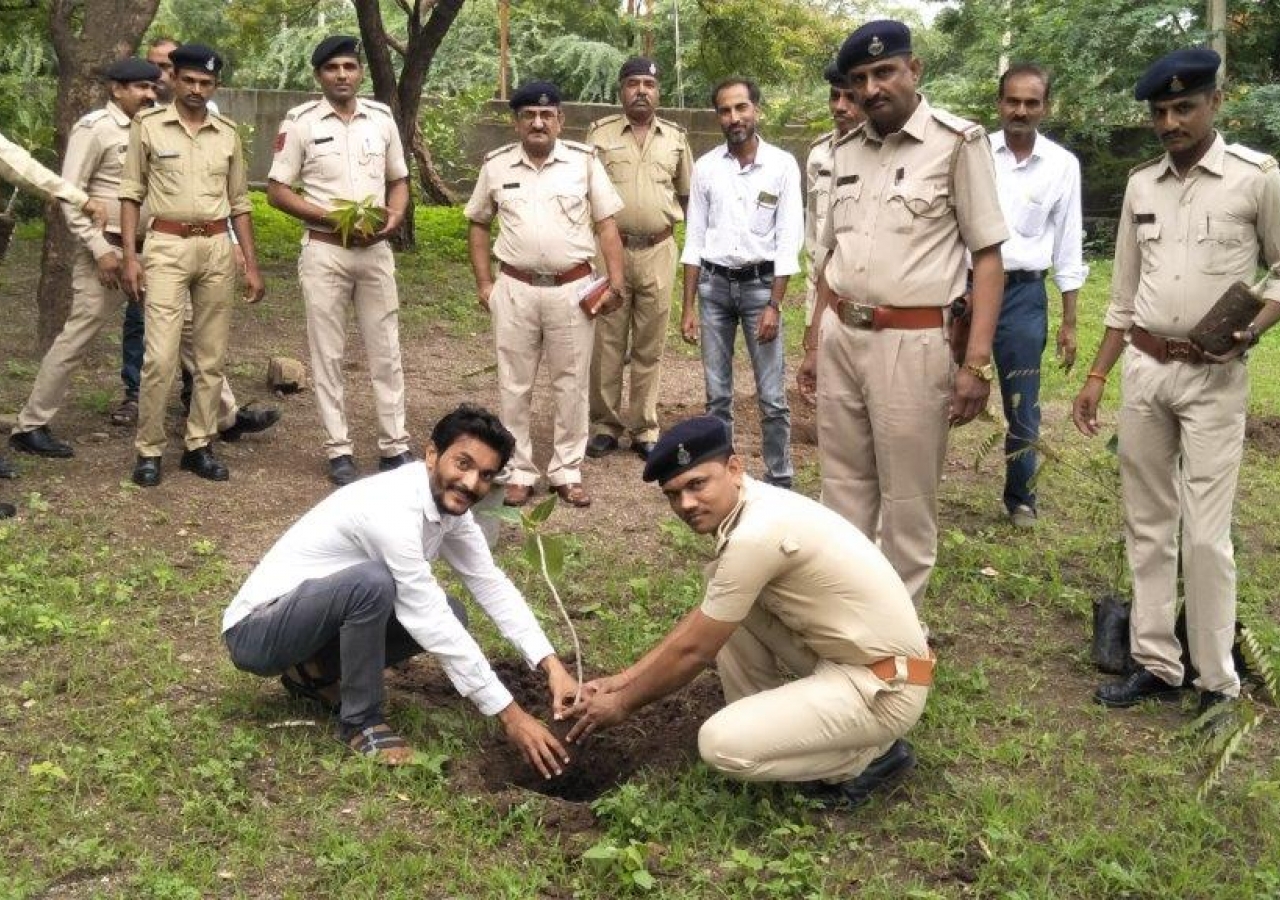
682,456
208,64
876,47
1176,85
356,47
653,70
544,100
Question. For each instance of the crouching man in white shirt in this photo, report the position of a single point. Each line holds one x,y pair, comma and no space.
348,590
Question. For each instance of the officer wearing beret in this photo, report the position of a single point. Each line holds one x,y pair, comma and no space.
845,115
554,201
913,194
344,149
188,166
1194,221
794,589
94,162
649,162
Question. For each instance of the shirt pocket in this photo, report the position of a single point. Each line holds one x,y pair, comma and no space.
844,207
619,169
326,161
168,173
1031,217
1148,237
1227,247
214,183
513,206
764,212
574,207
913,201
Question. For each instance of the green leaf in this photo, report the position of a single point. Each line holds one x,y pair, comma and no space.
504,514
644,880
543,510
553,547
531,555
602,851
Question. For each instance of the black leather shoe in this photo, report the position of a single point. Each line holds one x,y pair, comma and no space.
8,511
6,469
601,445
643,448
250,421
146,471
1139,686
387,463
40,442
202,462
884,770
342,470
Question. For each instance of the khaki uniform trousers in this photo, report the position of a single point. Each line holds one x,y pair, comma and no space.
883,399
334,279
792,716
528,323
1181,435
198,270
644,315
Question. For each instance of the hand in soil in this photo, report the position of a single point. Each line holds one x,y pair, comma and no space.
538,746
601,707
564,689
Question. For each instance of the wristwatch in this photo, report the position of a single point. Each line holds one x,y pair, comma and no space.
986,371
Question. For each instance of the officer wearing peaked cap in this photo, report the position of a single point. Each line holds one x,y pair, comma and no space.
821,656
341,149
650,164
913,195
554,201
1194,221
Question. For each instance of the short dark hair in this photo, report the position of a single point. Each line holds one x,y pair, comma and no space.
161,39
1026,68
753,89
469,420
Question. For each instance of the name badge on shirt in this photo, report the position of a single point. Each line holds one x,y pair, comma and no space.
167,154
846,179
767,199
1144,218
323,140
511,187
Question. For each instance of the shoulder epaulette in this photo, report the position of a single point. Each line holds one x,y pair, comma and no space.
588,149
1253,157
293,114
226,120
605,121
378,105
970,130
148,113
500,150
1145,164
828,138
669,124
853,132
90,117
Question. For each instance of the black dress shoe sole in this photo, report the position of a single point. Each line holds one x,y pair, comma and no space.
208,473
1127,702
880,775
269,418
146,477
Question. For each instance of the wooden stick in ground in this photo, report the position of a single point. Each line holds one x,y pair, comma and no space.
573,632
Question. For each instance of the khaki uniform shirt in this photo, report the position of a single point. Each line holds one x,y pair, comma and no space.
338,161
1183,241
816,573
95,162
20,169
817,190
546,214
900,223
185,177
652,178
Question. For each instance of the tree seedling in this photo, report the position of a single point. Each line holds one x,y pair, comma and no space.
362,218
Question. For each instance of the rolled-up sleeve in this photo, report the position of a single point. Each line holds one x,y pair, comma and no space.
479,208
789,226
977,201
84,154
238,182
1069,269
1124,275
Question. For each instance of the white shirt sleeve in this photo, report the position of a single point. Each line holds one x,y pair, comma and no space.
1069,269
695,223
789,225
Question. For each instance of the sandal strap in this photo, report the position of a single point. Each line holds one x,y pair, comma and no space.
373,740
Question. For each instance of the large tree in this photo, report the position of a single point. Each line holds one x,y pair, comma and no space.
426,22
87,35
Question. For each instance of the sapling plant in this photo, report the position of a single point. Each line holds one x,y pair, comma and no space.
363,218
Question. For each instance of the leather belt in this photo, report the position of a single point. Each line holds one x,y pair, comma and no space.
919,671
116,240
745,273
332,237
190,229
879,318
1023,276
1165,349
546,279
645,241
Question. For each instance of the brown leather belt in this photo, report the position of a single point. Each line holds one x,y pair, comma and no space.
547,279
116,240
190,229
645,241
1165,349
919,671
879,318
332,237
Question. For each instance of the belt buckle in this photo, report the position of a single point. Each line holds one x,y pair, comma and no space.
197,229
858,316
1177,350
543,279
633,241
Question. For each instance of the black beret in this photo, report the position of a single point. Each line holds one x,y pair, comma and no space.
132,69
875,40
1178,73
836,76
638,65
335,45
535,93
689,443
196,56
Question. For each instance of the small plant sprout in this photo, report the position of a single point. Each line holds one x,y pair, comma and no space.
361,218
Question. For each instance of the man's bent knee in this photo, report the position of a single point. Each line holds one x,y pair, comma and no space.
721,746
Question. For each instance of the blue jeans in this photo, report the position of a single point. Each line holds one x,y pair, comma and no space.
723,304
132,342
1019,346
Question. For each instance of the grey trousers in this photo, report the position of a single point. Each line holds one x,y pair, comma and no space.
345,622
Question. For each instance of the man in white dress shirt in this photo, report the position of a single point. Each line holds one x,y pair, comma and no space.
743,235
349,590
1039,185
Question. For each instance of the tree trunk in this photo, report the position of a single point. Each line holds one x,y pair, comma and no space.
87,36
433,187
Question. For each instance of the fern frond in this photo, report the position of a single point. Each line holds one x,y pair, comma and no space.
1262,661
989,444
1226,744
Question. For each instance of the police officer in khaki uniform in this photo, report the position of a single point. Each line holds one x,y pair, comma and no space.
822,658
343,149
649,162
913,189
1194,221
846,116
553,201
188,166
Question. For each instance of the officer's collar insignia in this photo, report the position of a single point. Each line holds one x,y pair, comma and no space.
876,47
209,64
682,456
544,100
1176,85
653,70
